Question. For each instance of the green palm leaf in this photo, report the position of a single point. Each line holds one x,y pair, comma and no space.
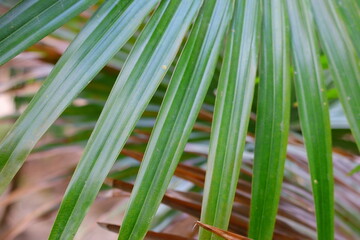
144,69
350,13
344,62
136,97
32,20
231,116
181,105
314,114
110,27
272,124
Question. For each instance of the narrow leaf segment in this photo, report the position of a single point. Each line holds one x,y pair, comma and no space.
181,105
30,21
109,29
343,59
350,14
231,116
272,123
144,69
314,113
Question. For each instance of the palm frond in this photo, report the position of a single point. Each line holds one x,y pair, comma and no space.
157,91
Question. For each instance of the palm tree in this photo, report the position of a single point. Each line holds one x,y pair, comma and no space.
260,46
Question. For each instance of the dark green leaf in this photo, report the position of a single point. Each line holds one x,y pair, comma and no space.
314,113
344,62
31,20
272,124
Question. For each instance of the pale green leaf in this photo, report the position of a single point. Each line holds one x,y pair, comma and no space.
181,105
110,27
143,71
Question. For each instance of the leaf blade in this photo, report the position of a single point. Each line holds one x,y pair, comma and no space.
142,73
177,115
350,13
344,62
106,32
314,114
231,117
30,21
272,123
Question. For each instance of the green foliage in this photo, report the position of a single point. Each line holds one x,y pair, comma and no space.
30,21
137,82
273,115
110,27
203,45
231,116
181,105
314,113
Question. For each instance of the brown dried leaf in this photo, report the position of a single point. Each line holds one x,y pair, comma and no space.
222,233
